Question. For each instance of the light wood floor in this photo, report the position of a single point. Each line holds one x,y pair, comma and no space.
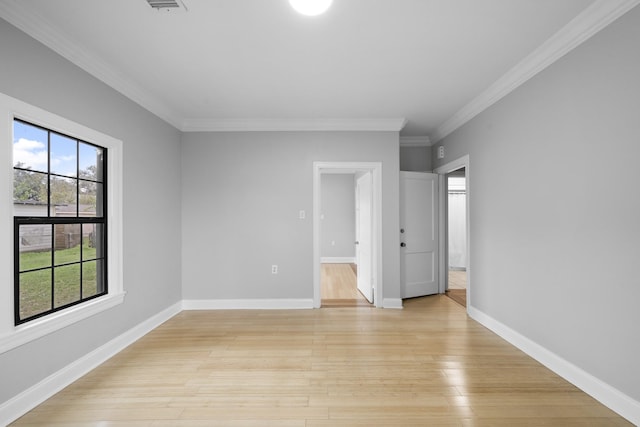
339,288
457,287
457,279
426,365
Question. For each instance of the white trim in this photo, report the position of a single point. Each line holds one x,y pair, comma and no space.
375,168
392,303
292,125
593,19
462,162
248,304
12,336
32,397
38,328
337,260
415,141
24,18
601,391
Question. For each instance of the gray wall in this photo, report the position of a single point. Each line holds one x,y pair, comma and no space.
34,74
241,194
415,159
338,226
554,237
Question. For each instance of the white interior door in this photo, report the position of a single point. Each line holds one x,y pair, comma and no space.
364,230
418,233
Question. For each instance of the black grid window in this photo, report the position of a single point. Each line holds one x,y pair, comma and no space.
60,227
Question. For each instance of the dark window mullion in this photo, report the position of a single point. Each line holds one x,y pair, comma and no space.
104,272
51,208
59,220
77,179
16,272
78,210
48,174
53,265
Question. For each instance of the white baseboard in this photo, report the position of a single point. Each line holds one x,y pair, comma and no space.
392,303
16,407
29,399
337,260
611,397
248,304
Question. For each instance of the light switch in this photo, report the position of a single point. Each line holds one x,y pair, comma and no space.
302,215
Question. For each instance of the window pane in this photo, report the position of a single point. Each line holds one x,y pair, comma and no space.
29,147
59,181
35,293
35,246
63,195
63,155
66,284
90,162
29,193
90,199
92,238
92,278
66,243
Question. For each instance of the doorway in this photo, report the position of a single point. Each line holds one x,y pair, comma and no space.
455,271
345,239
456,236
373,262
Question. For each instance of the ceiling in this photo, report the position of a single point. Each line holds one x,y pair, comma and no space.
424,66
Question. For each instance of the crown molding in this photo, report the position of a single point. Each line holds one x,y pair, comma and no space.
593,19
16,13
292,125
415,141
596,17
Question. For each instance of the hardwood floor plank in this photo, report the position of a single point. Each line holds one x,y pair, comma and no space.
339,286
428,364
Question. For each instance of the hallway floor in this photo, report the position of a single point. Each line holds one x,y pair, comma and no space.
458,286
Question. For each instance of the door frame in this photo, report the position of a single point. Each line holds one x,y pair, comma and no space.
375,168
442,171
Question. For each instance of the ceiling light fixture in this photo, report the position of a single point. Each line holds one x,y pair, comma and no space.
311,7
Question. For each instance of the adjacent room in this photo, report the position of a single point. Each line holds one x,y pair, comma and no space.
319,212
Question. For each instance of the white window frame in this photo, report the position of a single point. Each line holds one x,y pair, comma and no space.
12,336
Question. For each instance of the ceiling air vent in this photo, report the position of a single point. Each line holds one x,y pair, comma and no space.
167,5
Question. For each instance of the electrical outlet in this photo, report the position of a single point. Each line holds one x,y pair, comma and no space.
274,269
441,152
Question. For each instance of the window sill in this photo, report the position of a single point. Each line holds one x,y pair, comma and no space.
35,329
